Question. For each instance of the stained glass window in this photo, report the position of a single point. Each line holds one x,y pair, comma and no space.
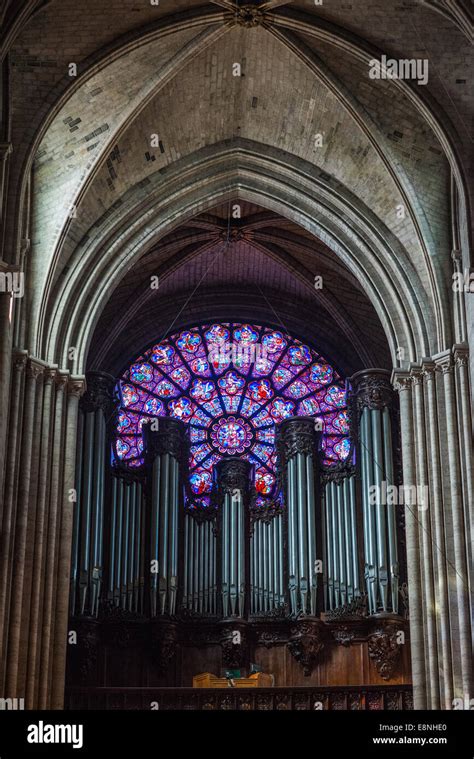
231,384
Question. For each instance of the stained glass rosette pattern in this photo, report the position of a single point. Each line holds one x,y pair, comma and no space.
231,384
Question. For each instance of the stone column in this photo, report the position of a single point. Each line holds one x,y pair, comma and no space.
39,558
19,605
50,578
463,391
6,149
75,388
297,443
421,510
8,511
455,527
440,609
233,486
6,335
403,384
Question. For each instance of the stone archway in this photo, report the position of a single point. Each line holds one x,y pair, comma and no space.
411,295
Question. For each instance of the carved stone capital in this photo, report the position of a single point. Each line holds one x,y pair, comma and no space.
61,380
401,381
417,375
444,362
296,435
76,386
306,643
428,369
50,376
371,388
461,355
165,435
19,361
99,393
34,369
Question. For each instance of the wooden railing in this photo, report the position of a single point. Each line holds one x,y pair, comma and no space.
370,697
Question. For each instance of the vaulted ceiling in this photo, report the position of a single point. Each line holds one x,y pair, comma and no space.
259,267
119,195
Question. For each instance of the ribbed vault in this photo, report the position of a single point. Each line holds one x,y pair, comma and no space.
96,169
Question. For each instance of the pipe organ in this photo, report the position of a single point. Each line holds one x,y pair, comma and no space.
327,548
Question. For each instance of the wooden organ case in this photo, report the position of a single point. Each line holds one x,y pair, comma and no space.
311,589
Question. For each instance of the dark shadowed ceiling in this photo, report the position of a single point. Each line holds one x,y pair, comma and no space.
259,267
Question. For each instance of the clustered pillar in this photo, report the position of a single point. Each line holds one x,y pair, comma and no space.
36,532
437,457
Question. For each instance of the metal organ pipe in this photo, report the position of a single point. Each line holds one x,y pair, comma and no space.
233,480
380,508
328,543
125,556
354,542
297,446
335,546
340,541
231,501
391,513
346,506
373,398
369,527
292,525
88,522
113,530
165,448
